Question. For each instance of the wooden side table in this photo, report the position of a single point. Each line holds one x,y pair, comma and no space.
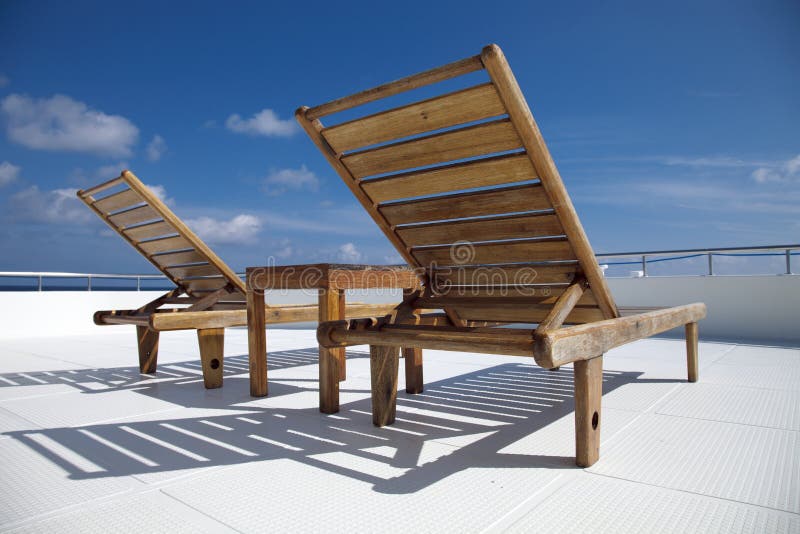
330,280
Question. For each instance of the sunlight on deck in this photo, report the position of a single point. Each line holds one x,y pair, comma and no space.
88,443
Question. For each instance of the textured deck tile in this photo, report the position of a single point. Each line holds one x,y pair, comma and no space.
33,484
753,465
120,514
599,504
744,405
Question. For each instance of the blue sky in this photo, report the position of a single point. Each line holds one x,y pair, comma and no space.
674,125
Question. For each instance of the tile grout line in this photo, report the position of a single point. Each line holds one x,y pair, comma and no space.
694,493
184,503
559,481
749,425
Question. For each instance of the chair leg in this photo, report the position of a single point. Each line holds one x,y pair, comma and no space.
329,368
212,347
691,351
257,343
413,363
588,395
331,360
383,365
147,341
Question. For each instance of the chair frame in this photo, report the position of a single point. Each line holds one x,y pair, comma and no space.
597,328
130,213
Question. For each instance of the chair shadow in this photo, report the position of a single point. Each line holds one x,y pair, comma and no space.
179,382
457,423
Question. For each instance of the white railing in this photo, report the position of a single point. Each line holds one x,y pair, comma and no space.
658,256
643,259
41,276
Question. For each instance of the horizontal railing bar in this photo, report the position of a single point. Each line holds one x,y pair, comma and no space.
33,274
695,250
785,250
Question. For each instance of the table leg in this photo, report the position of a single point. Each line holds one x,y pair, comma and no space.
341,354
330,364
413,362
257,342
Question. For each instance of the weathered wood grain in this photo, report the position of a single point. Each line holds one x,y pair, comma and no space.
497,201
485,138
495,170
466,105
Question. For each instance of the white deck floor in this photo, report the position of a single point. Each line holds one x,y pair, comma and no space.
87,444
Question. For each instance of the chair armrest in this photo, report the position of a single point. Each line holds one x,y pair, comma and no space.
582,342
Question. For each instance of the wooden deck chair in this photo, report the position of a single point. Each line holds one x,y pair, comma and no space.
208,296
464,187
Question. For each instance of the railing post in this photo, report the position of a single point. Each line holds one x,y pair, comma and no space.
138,283
710,264
89,283
644,265
40,282
788,261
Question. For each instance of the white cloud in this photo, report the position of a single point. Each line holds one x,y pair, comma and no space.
4,80
161,192
393,259
265,122
156,148
240,229
285,249
8,173
56,206
348,253
61,123
788,171
110,171
707,161
278,181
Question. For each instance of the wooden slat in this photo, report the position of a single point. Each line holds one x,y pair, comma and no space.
139,320
164,212
178,258
149,231
193,270
134,216
236,297
521,198
313,129
118,201
528,314
204,284
511,95
489,229
504,252
468,105
486,138
438,74
84,193
507,296
164,244
484,172
499,275
180,300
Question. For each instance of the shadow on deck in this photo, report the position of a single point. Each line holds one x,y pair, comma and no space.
467,420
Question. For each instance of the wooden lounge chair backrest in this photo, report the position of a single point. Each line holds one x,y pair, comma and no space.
464,186
144,220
